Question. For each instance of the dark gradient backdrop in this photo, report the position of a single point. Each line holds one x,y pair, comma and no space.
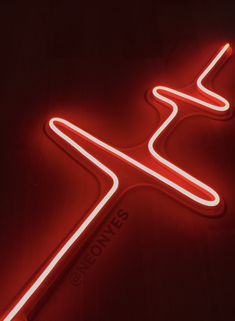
93,63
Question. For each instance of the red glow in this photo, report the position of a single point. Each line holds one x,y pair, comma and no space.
177,185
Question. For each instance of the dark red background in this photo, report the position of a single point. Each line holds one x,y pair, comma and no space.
93,64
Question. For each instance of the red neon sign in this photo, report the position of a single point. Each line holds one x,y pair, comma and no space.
161,94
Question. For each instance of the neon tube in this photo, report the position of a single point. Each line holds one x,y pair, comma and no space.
82,228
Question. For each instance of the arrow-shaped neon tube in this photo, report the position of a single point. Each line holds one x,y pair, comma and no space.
215,199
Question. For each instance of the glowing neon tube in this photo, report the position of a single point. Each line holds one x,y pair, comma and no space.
215,199
225,106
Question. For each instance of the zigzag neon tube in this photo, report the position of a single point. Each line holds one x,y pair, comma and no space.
54,122
225,106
